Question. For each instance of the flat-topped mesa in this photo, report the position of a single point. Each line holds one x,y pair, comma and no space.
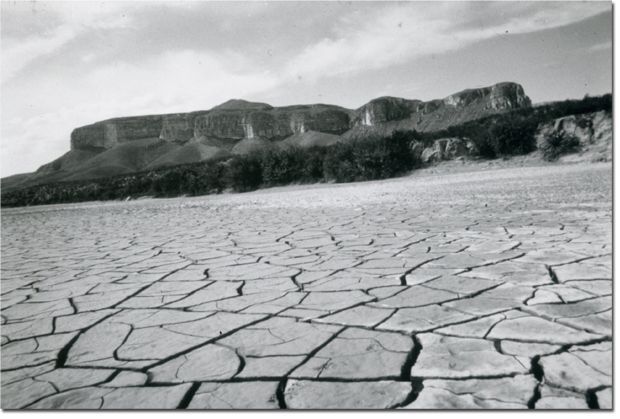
222,126
440,113
501,96
226,127
385,109
130,144
109,133
236,119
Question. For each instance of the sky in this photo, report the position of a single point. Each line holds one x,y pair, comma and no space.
68,64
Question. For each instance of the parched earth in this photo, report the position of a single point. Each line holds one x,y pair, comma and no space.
490,289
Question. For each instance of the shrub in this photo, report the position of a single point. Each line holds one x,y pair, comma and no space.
338,163
244,173
211,178
505,136
312,170
281,166
370,158
557,144
365,158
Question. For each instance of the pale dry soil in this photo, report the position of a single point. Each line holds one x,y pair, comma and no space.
488,289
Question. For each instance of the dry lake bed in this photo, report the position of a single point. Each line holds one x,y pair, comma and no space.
489,289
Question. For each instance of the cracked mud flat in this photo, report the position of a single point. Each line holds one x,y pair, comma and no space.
472,290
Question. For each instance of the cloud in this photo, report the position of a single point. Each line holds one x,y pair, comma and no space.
174,81
16,55
600,46
72,18
70,64
403,32
26,142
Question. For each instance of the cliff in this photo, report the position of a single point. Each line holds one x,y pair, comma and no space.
123,145
222,126
235,120
593,130
387,114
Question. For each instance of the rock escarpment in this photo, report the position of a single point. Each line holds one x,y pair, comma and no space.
384,115
444,149
223,126
385,109
236,120
107,134
593,130
128,144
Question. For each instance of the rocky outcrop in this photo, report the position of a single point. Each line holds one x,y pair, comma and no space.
593,130
385,115
235,120
223,126
108,134
91,137
386,109
502,96
123,145
444,149
588,128
226,127
177,128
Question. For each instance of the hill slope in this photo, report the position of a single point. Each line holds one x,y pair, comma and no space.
124,145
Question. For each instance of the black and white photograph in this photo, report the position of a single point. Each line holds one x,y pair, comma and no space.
306,205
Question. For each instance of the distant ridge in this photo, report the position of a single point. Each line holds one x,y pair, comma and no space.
129,144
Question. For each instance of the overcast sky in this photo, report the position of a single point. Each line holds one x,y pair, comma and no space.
71,64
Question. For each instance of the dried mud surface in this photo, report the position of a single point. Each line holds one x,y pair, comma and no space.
489,289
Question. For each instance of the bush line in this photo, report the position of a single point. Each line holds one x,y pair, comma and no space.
358,159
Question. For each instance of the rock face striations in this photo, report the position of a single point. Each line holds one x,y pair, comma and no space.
235,120
386,114
438,114
223,126
124,145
